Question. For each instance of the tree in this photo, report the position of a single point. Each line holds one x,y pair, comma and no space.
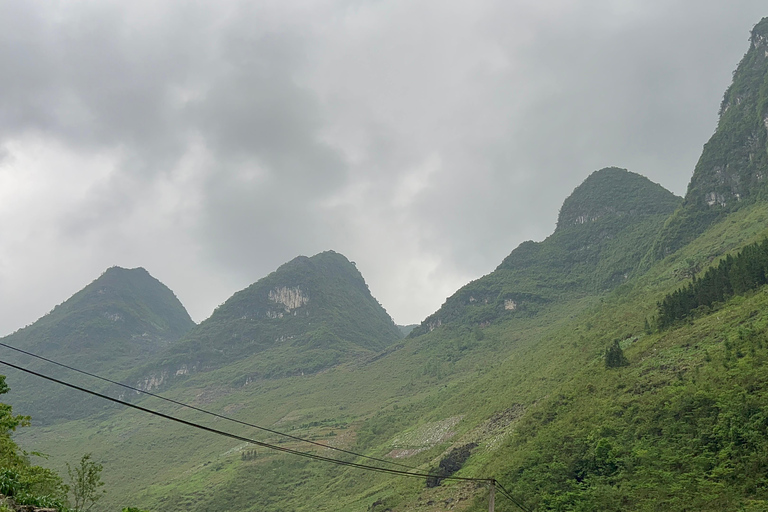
85,483
614,356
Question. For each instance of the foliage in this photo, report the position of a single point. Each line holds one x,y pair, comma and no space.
614,356
25,483
688,432
32,486
85,483
737,275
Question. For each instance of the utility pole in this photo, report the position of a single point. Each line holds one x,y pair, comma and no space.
492,497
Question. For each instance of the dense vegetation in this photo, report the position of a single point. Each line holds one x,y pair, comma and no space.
734,275
24,483
683,427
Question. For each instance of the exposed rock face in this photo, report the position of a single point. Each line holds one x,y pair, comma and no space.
291,298
152,381
733,164
308,315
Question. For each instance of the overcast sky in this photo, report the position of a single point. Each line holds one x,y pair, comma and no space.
210,142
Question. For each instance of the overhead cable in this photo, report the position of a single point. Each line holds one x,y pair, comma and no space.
246,439
198,409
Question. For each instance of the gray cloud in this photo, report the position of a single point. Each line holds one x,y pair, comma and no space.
424,140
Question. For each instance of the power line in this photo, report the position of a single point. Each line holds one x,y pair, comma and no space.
511,498
221,416
246,439
308,455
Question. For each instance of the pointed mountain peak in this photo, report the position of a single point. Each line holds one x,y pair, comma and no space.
309,314
120,271
115,323
614,192
604,230
123,312
132,293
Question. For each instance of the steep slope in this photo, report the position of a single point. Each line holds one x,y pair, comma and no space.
310,314
114,324
733,169
604,230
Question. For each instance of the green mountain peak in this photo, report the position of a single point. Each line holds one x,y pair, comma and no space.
115,323
604,231
614,192
309,314
128,307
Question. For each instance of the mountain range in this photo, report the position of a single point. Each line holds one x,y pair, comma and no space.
552,374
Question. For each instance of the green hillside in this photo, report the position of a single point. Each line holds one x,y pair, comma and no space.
308,315
117,322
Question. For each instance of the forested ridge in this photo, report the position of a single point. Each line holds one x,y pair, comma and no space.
734,275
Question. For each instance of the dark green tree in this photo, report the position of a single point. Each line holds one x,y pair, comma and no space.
614,356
